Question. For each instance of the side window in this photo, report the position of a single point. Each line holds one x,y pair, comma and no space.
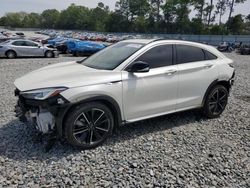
159,56
187,54
28,43
18,43
209,55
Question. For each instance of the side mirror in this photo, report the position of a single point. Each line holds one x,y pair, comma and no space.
139,67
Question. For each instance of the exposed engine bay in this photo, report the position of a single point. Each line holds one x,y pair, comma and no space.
43,120
41,113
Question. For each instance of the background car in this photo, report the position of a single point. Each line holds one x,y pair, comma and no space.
77,47
26,48
226,47
245,49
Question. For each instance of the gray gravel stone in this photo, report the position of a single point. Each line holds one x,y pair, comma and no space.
179,150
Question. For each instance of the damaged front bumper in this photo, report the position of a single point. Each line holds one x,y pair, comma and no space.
46,115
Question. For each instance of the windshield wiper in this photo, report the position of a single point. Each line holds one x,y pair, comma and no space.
81,61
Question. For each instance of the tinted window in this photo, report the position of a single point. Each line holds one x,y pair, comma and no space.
28,43
209,56
159,56
186,54
18,43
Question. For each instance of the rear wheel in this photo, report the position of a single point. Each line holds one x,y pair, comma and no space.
11,54
89,125
49,54
216,101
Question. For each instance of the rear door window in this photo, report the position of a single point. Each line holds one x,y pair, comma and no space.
188,54
28,43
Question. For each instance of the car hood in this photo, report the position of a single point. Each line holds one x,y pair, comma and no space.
69,74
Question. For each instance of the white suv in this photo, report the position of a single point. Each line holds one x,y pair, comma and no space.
126,82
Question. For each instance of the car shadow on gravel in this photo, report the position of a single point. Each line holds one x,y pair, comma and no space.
19,143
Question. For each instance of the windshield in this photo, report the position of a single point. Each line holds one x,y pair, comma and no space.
112,56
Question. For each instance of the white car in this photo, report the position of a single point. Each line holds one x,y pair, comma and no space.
129,81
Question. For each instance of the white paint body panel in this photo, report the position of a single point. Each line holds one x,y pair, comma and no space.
139,95
69,74
149,93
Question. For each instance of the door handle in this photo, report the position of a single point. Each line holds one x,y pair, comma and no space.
207,66
171,72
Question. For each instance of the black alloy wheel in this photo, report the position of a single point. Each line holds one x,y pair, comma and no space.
89,125
216,101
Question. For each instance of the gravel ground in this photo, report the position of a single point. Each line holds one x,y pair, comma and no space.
181,150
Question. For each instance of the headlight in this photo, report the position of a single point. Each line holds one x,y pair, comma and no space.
41,94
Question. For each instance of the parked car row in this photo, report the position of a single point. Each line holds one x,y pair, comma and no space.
243,49
91,36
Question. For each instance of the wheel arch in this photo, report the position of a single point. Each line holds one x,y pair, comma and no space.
47,50
10,50
225,83
104,99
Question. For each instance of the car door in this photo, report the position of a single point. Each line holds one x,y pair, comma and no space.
18,47
32,49
152,93
196,70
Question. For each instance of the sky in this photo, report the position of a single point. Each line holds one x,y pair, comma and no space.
40,5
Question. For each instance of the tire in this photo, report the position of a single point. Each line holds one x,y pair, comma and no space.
49,54
89,125
244,52
215,102
11,54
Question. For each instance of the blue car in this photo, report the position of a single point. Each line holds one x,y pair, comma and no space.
57,40
77,47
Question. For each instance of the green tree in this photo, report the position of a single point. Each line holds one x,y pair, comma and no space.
196,26
182,16
218,29
199,6
221,8
169,11
117,23
75,17
50,18
138,8
32,20
209,10
3,21
231,4
99,16
155,9
15,19
236,24
122,8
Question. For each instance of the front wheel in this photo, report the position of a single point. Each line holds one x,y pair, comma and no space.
49,54
216,101
89,125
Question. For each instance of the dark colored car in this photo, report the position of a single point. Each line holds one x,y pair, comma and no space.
245,49
226,47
